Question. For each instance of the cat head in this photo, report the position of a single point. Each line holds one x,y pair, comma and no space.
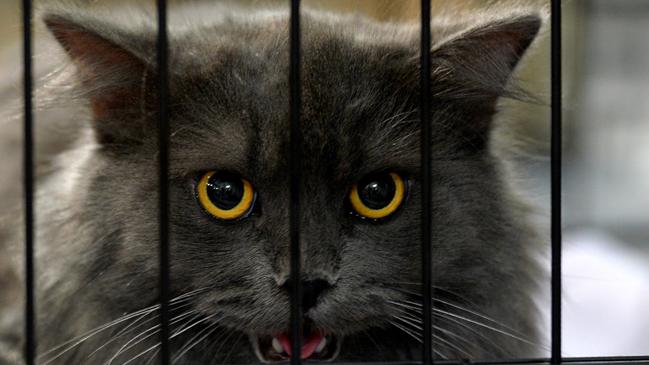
360,192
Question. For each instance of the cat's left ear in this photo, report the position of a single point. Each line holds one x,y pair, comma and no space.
472,69
115,74
484,57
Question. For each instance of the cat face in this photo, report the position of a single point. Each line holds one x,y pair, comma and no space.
359,195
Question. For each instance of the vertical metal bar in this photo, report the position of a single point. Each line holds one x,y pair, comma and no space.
556,181
163,141
295,165
28,186
426,180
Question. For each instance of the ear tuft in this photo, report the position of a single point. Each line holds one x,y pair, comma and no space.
472,70
112,77
481,60
86,45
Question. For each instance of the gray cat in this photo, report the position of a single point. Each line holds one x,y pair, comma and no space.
97,204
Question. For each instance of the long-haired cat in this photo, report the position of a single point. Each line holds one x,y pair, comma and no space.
97,204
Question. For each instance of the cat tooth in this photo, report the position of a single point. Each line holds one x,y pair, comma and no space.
321,345
277,346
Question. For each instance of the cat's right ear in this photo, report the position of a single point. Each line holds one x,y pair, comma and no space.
114,75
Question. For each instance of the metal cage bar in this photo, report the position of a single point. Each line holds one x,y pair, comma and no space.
426,181
603,360
295,163
556,181
295,105
163,173
28,185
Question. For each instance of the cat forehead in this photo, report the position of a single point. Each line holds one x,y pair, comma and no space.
350,114
347,124
230,90
265,36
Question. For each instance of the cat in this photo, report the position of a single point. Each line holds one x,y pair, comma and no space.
97,203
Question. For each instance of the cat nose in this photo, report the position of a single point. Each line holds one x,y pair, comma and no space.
311,290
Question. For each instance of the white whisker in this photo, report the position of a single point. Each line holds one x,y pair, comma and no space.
440,311
126,329
158,344
193,342
155,329
78,340
139,314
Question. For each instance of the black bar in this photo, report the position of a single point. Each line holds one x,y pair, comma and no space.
163,140
426,180
556,182
295,102
605,360
28,186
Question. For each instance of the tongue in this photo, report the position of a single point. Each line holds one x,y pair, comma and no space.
309,344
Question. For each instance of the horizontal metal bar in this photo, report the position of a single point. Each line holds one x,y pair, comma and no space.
602,360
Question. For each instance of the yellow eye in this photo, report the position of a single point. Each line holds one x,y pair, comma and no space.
225,195
377,196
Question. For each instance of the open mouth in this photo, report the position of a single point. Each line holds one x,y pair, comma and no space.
316,346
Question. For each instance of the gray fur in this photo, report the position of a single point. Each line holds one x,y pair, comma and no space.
97,208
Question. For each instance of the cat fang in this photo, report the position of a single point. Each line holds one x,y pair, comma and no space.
316,346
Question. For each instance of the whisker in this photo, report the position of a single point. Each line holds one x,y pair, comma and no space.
193,342
373,340
417,320
474,331
440,311
170,337
451,345
415,306
187,323
141,353
454,335
408,314
403,305
482,316
82,339
434,296
92,332
153,356
222,338
189,294
150,348
478,315
154,330
225,360
75,341
444,341
124,331
413,310
407,331
435,288
414,326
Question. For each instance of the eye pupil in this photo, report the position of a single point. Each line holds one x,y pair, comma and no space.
377,192
225,190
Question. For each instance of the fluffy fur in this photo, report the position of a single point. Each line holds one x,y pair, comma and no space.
97,205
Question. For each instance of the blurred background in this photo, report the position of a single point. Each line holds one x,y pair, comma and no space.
606,154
